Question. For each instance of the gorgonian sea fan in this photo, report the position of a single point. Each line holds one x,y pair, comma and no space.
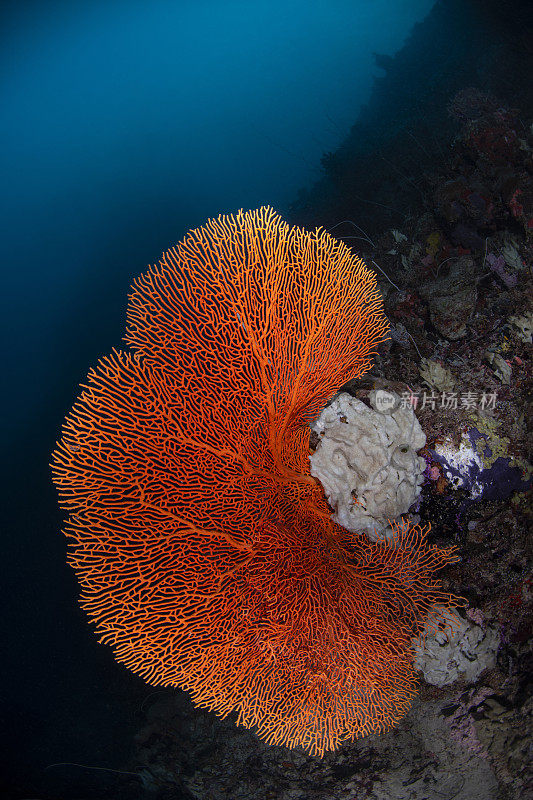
204,549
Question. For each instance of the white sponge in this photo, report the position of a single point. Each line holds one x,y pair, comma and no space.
367,461
465,653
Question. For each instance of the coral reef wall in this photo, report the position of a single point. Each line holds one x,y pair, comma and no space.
375,175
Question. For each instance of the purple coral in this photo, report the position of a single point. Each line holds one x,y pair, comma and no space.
497,265
462,727
464,469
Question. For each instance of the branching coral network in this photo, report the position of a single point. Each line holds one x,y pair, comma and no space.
204,548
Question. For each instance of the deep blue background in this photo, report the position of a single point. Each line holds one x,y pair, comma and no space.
126,122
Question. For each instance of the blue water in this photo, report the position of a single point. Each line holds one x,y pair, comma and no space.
124,124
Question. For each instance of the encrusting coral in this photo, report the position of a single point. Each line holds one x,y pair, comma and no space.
436,376
204,548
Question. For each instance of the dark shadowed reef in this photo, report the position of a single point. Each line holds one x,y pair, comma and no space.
377,177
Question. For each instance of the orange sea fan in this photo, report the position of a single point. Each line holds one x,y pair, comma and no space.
204,548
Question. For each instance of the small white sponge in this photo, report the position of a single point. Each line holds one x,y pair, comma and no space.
367,461
465,653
